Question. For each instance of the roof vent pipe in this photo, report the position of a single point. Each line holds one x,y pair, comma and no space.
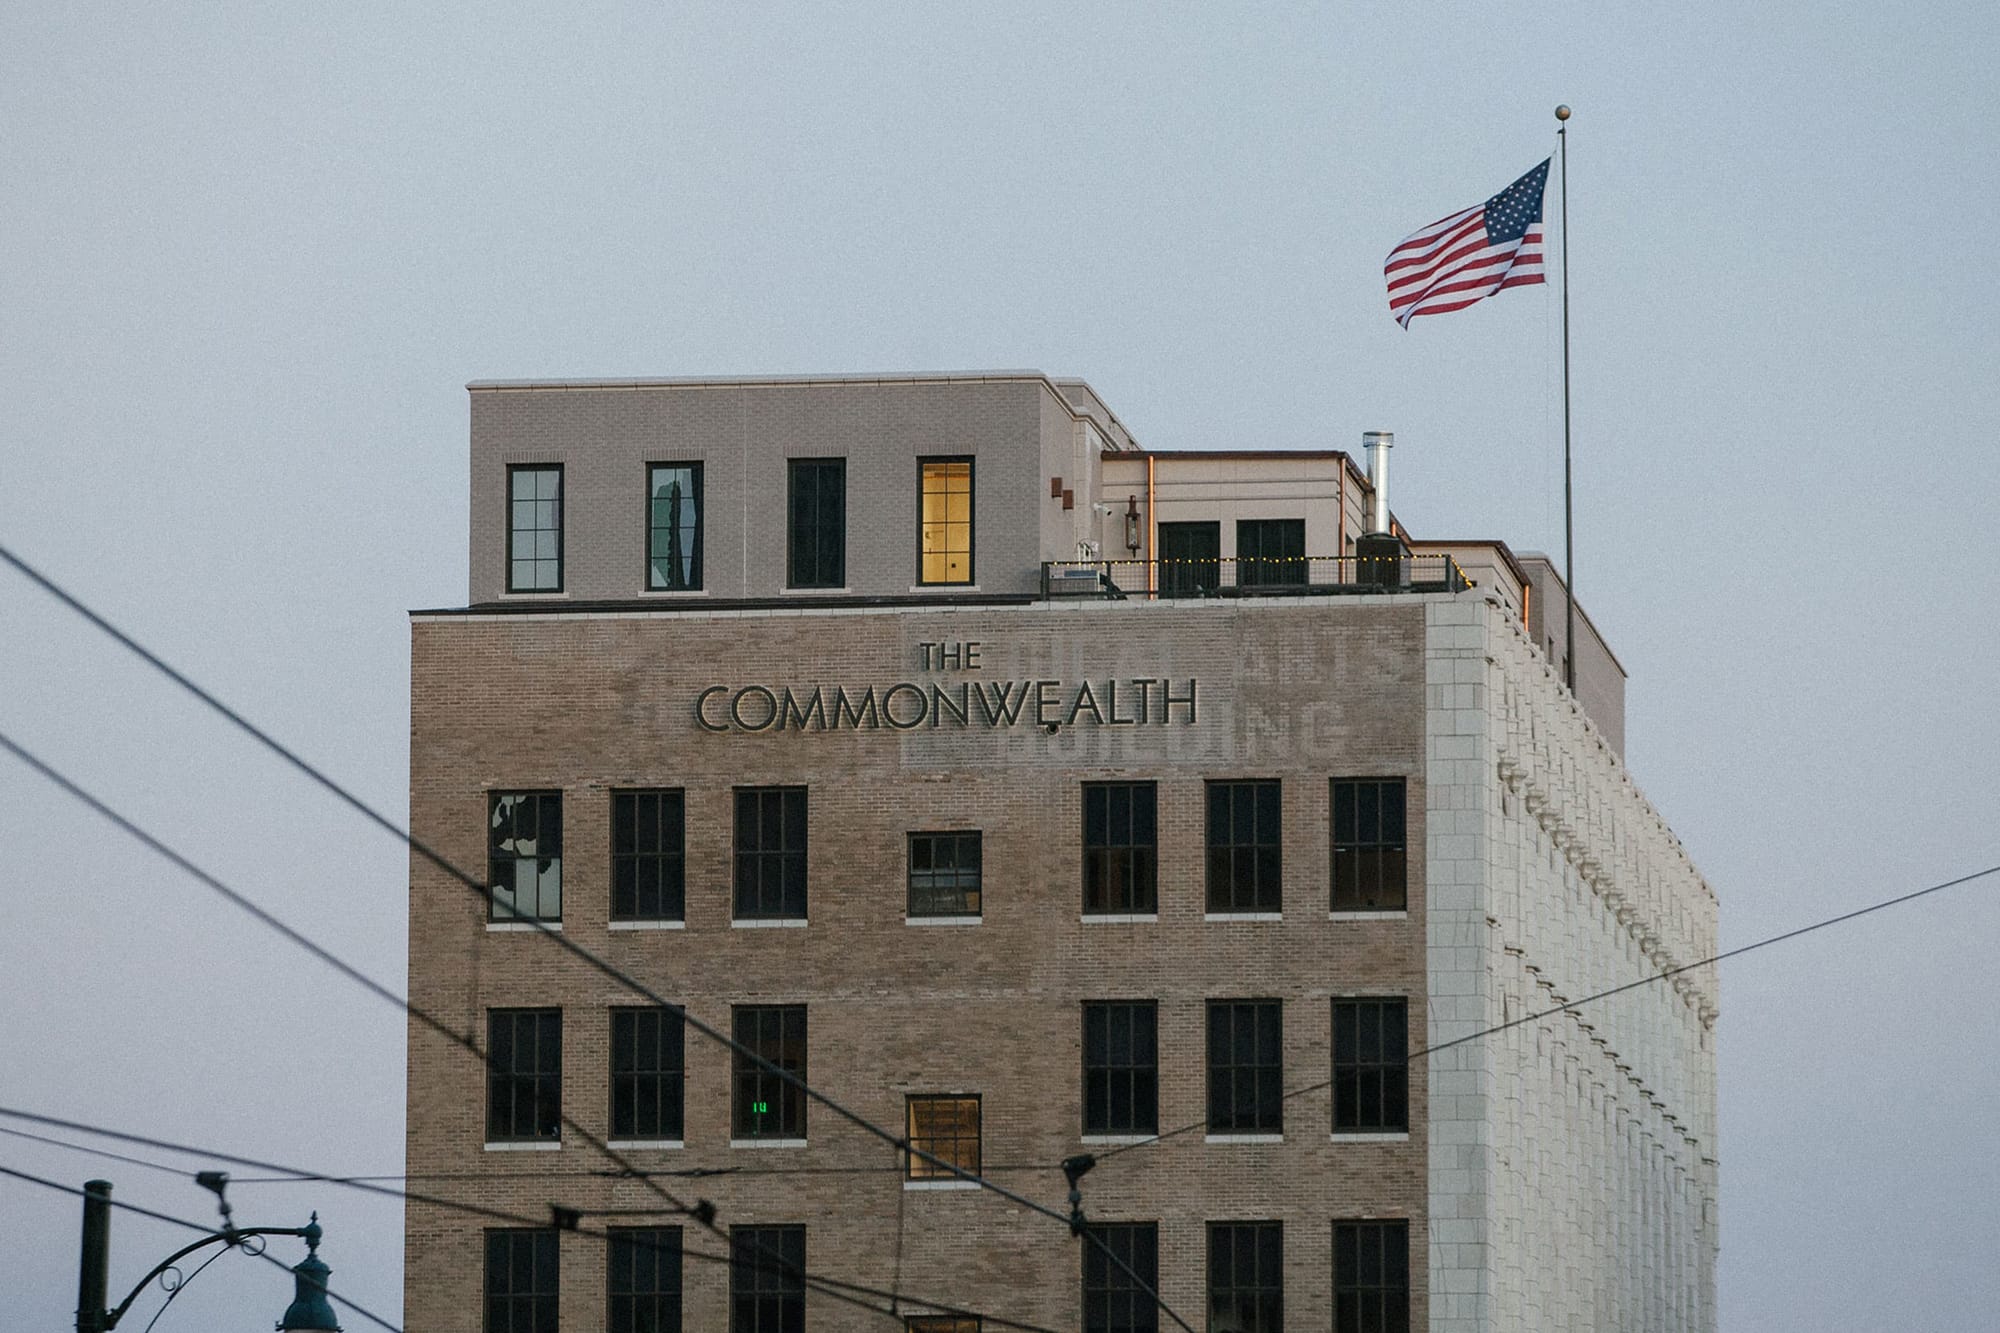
1378,443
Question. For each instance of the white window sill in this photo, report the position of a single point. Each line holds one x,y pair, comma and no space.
647,1145
940,1184
767,1143
1371,1137
1386,914
525,1145
538,594
675,593
502,927
813,592
944,920
646,925
1117,1140
1242,916
1119,918
769,923
1243,1138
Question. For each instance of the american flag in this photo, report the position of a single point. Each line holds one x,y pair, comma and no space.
1471,254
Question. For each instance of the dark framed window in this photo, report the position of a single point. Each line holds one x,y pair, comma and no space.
1190,559
522,1280
648,855
1371,1277
1244,862
643,1280
816,537
766,1106
535,528
767,1285
1370,859
1246,1276
1121,1067
1116,1300
1371,1071
648,1072
946,1127
944,541
1246,1067
944,874
941,1323
523,1075
771,853
1120,848
1270,552
673,527
524,855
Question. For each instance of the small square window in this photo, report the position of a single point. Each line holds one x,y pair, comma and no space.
522,1286
1371,1073
534,529
947,1128
944,874
1244,842
1246,1067
1370,858
523,1075
524,855
643,1280
1371,1277
673,527
1271,552
766,1105
1120,848
648,855
767,1283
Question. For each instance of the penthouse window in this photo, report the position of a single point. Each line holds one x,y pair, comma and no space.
648,1070
1243,847
770,853
534,529
1371,1073
673,527
643,1280
1246,1069
766,1105
1270,552
522,1286
817,533
1121,1067
524,855
523,1075
945,531
1118,1297
767,1283
1120,848
944,874
948,1129
1370,858
1371,1277
1246,1276
648,855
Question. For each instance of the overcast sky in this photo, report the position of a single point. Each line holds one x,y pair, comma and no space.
250,255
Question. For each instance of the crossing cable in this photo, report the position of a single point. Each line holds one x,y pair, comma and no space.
612,972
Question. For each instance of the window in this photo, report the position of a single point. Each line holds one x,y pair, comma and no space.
1270,552
945,536
817,537
767,1285
1246,1276
648,856
946,1128
523,1075
1116,1300
1371,1073
1246,1068
1371,1277
1243,842
768,1107
771,853
1120,848
521,1281
944,874
524,856
673,527
1121,1067
1368,849
647,1072
534,529
1190,559
644,1280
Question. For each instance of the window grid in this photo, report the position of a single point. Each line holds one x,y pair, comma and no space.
767,1290
522,1280
673,527
771,853
524,855
534,529
1244,841
1369,853
1270,552
945,536
523,1075
1120,848
643,1280
945,873
1371,1075
1113,1302
766,1106
817,538
648,855
648,1073
1246,1276
946,1127
1245,1067
1371,1277
1121,1067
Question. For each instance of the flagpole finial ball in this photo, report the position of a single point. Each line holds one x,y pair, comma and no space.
1562,113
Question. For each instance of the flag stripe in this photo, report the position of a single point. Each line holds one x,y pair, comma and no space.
1471,254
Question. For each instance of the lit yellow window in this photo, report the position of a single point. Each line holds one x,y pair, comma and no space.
947,521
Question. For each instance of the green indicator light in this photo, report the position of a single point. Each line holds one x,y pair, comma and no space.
761,1108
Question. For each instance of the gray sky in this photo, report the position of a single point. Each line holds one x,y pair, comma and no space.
250,254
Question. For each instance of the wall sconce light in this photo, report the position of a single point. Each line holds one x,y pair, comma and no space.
1132,524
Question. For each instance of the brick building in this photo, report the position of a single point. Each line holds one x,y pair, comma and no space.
1032,794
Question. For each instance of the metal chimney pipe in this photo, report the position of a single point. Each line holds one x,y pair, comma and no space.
1378,443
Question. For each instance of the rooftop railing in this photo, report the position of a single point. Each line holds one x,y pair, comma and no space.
1280,576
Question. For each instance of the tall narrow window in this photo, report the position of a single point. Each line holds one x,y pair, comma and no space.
948,1129
1243,843
523,1075
673,527
1121,1067
522,1280
1270,552
1246,1276
1118,1297
1246,1067
534,529
944,874
817,537
648,855
767,1284
1371,1277
647,1072
767,1106
945,538
643,1280
1371,1073
1370,859
771,853
524,855
1120,848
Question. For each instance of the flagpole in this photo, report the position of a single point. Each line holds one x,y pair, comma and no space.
1569,527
